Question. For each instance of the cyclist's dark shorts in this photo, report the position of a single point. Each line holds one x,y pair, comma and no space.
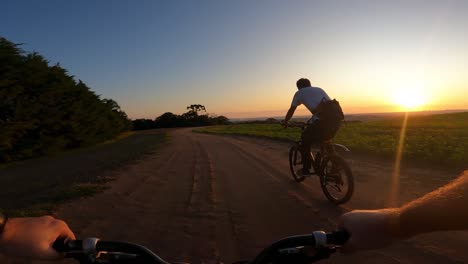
320,131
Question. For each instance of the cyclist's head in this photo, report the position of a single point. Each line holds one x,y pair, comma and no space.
301,83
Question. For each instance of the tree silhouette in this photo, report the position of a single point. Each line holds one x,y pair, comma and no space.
188,119
43,109
195,108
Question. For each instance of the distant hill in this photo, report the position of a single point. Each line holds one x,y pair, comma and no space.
381,116
363,117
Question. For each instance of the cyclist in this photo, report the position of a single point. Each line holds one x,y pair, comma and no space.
441,210
321,126
32,237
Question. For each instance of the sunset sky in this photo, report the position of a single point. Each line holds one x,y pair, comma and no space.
242,58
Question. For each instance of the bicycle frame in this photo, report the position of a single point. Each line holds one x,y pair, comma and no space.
325,147
336,178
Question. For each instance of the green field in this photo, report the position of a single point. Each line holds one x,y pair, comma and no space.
440,140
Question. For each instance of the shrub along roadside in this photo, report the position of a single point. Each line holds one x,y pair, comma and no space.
44,110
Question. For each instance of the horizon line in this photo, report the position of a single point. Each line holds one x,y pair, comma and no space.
350,114
357,113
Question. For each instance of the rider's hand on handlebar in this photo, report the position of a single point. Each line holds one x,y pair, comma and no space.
33,237
370,229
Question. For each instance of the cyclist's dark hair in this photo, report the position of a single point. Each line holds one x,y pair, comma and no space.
303,82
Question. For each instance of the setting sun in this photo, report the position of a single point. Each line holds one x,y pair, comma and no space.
409,98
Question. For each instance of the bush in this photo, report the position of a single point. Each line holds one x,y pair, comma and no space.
44,110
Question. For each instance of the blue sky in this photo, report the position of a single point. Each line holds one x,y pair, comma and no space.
242,58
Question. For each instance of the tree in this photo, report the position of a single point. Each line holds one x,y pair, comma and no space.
43,109
143,124
187,119
167,119
195,108
219,120
192,117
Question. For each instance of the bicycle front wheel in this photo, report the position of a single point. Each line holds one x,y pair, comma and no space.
295,163
336,179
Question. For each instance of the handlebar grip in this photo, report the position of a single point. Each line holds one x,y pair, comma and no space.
63,245
338,237
60,245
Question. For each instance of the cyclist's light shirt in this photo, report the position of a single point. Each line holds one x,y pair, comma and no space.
310,97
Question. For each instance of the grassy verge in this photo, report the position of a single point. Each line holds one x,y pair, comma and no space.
440,140
36,187
50,202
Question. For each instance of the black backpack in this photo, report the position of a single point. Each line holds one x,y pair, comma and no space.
329,110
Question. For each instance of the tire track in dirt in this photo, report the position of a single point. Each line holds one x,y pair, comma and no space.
220,231
201,215
147,204
258,205
305,194
232,230
121,195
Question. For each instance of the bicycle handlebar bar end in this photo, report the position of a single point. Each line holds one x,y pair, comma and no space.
338,237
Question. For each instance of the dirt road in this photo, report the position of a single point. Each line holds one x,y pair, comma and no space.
205,198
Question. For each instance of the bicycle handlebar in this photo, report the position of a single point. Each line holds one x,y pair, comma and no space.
287,250
319,240
94,245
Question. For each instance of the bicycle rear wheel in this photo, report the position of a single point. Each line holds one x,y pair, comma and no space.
336,179
295,163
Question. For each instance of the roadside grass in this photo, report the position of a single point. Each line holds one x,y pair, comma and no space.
67,152
435,140
77,191
49,203
35,187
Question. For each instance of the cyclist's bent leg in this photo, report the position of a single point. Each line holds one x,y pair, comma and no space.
310,136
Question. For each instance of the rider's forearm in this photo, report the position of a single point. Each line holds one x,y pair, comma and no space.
442,209
290,113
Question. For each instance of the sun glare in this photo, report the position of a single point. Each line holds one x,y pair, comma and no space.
409,98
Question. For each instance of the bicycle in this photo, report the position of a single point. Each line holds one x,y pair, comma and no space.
336,177
300,249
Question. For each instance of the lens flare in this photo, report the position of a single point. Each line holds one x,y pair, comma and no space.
393,198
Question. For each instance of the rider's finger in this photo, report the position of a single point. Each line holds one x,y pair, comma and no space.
64,231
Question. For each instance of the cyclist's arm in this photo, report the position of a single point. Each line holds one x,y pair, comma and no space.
290,113
33,237
441,210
